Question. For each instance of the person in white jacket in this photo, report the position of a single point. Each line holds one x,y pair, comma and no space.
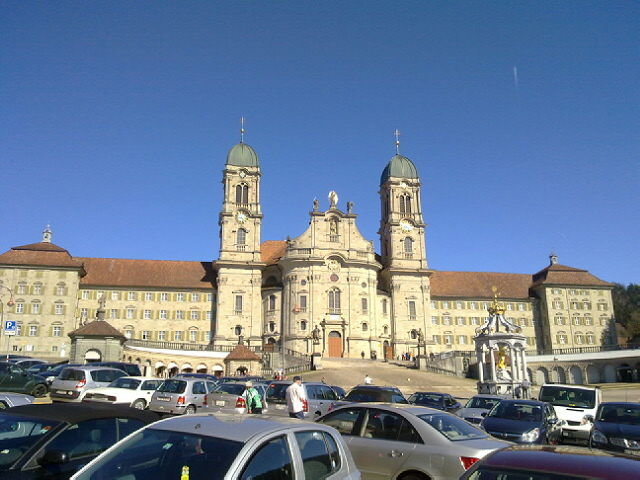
296,398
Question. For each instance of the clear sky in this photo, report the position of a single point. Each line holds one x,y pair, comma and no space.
522,118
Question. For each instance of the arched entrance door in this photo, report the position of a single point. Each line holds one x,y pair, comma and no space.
335,344
92,355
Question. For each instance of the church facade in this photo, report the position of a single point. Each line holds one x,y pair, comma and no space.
326,291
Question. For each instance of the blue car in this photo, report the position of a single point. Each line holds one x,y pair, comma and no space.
440,401
523,421
616,427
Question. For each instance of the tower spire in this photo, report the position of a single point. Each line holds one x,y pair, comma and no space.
397,135
241,129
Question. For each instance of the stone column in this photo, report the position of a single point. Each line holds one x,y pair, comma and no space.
480,356
514,363
525,374
492,367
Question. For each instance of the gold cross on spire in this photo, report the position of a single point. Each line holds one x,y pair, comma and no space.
397,135
241,129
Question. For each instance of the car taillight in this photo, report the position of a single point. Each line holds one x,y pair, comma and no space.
331,407
181,400
240,403
468,461
305,406
206,399
81,383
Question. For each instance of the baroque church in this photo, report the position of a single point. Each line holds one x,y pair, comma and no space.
326,291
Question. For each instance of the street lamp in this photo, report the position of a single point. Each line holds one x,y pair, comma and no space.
10,303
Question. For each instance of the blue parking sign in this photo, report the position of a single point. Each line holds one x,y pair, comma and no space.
10,326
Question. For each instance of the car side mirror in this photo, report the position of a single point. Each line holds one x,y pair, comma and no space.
53,457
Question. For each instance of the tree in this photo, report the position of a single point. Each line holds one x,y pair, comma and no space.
626,304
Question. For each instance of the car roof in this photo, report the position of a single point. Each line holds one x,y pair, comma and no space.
240,428
565,459
405,407
432,393
565,385
376,387
535,403
85,367
139,377
73,413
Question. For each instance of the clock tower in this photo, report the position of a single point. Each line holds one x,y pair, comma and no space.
239,265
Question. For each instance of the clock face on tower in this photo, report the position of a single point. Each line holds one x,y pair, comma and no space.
406,226
242,174
241,217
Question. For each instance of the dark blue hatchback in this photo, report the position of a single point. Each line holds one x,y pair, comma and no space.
523,421
616,427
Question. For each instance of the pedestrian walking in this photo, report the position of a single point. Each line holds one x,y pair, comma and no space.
296,398
252,398
526,388
367,379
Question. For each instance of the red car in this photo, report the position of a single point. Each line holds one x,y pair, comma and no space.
546,462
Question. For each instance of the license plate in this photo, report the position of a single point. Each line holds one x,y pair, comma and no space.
164,399
280,407
220,403
565,434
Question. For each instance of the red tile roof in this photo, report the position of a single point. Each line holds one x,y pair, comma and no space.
241,352
479,284
118,272
40,254
272,250
98,328
557,274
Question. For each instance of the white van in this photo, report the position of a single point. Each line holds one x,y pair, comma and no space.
572,403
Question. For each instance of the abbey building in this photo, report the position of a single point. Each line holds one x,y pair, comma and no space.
326,291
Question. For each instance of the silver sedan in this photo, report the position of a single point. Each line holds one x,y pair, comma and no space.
395,441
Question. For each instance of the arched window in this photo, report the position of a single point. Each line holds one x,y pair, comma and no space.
334,300
303,325
384,306
405,203
242,194
408,245
272,327
238,330
385,330
241,237
272,302
414,334
365,327
579,338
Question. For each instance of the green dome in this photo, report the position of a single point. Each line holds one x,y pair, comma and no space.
399,166
242,155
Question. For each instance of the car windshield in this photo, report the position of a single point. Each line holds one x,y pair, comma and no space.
568,397
454,428
482,402
627,414
426,398
18,434
72,374
525,412
123,382
154,453
173,386
276,392
232,388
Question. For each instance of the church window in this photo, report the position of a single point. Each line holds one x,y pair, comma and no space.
384,306
303,325
405,204
413,334
238,304
272,327
242,194
272,303
412,310
365,327
238,330
385,330
365,305
303,303
334,300
407,244
241,237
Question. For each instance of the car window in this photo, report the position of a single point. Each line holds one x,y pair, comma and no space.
172,386
272,461
328,393
198,388
397,398
127,383
85,438
313,392
383,425
517,411
344,420
232,388
452,427
211,386
18,434
128,425
106,375
72,374
316,459
150,384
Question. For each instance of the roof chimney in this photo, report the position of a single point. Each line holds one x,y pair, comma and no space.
553,259
47,234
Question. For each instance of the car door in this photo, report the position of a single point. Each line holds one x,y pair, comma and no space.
379,450
552,425
198,392
16,380
79,443
147,388
270,459
329,397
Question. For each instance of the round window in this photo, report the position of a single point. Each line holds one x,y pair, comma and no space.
334,277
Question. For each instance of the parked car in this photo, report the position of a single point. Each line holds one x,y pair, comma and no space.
243,378
523,421
572,403
396,441
228,397
27,363
320,398
225,446
8,400
74,382
53,441
340,392
533,462
616,427
14,378
182,395
130,369
440,401
133,391
372,393
476,406
203,376
40,367
51,374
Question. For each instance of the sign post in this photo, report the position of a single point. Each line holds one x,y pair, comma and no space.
10,329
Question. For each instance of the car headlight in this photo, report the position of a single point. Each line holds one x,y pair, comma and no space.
633,444
598,437
530,436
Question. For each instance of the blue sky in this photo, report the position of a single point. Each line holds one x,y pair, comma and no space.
521,117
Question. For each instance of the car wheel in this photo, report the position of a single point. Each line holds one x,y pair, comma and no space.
190,410
140,404
413,476
39,390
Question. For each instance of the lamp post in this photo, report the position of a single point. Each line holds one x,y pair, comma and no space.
10,303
